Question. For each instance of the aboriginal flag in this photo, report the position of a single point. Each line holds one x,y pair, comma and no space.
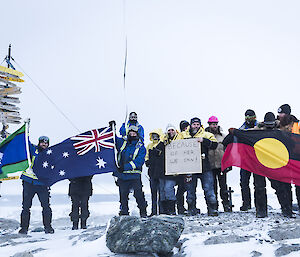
271,153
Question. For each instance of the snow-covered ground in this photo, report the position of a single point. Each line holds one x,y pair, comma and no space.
230,234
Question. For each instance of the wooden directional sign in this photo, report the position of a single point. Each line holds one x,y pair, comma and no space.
9,107
12,79
183,157
11,71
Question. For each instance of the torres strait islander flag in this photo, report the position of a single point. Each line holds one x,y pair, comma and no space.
271,153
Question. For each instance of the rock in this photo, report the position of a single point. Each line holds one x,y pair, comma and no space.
158,234
23,254
256,254
8,225
225,239
287,249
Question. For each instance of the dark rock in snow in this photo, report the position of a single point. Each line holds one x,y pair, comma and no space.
7,225
255,254
23,254
288,230
287,249
158,234
225,239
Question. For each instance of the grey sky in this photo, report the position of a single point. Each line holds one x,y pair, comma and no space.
185,59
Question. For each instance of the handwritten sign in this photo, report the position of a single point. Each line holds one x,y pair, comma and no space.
183,157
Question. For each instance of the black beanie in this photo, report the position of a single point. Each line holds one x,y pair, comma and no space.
269,118
195,120
285,108
250,112
183,124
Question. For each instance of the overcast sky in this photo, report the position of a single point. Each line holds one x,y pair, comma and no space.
185,59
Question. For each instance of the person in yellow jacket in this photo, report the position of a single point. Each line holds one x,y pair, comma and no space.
208,141
154,160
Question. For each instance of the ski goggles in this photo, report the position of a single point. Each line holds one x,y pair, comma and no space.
250,118
44,139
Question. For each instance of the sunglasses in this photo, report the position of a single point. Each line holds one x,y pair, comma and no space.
250,117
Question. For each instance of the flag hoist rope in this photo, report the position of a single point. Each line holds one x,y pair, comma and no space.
125,60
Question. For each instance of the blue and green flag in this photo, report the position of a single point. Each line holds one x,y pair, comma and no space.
13,154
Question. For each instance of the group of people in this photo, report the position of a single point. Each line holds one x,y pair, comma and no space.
168,192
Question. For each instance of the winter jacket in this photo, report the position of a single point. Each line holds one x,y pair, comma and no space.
124,129
245,126
155,156
131,157
81,186
209,142
215,156
28,175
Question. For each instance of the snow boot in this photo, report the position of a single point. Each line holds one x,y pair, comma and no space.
143,213
164,207
212,209
192,211
24,224
227,208
83,224
171,207
245,207
47,223
75,225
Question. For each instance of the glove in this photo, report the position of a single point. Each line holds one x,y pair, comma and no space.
121,169
147,163
226,170
112,124
231,130
188,178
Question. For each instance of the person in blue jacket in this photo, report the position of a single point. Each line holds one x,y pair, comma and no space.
132,121
131,157
32,186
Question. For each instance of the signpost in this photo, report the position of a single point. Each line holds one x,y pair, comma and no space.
183,157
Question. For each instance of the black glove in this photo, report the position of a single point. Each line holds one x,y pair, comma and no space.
147,163
112,124
226,170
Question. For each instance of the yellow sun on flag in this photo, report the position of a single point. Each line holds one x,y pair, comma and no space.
271,153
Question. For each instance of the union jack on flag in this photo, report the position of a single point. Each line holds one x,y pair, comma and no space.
93,139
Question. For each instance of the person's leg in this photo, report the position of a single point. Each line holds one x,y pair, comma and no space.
180,195
246,194
222,178
170,196
124,192
85,213
298,197
44,197
207,182
260,196
139,196
74,215
163,199
28,194
154,190
191,185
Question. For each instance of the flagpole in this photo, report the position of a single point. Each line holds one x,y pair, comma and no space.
115,152
27,141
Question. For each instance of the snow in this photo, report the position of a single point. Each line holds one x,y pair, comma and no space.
199,231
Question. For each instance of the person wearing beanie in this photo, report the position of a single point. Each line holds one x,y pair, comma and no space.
289,123
131,157
132,121
154,160
250,123
208,141
183,125
32,186
215,158
167,183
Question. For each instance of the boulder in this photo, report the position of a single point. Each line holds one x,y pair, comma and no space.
158,234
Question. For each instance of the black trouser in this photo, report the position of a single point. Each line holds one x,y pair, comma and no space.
43,193
155,195
284,195
244,182
80,207
181,189
260,194
298,196
124,189
221,178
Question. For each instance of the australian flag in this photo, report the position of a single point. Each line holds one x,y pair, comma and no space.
86,154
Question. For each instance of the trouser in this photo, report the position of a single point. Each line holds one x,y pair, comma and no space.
221,178
167,189
155,194
124,189
180,193
298,196
244,182
80,207
207,182
43,193
260,194
284,195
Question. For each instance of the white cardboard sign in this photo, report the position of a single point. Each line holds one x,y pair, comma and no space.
183,157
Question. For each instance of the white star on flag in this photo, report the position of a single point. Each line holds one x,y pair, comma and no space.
52,167
100,163
49,151
62,172
45,164
65,154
